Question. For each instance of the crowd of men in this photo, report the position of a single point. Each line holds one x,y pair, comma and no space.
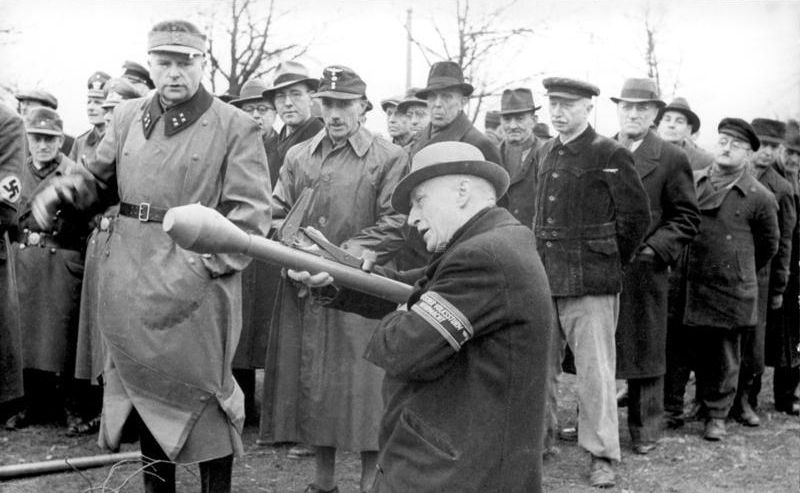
637,257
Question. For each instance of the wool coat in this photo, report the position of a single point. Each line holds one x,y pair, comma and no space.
459,130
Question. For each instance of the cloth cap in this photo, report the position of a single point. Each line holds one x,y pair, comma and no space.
252,91
681,105
97,84
772,131
137,72
44,121
410,100
563,87
445,75
739,129
447,158
176,36
640,91
517,101
340,82
43,97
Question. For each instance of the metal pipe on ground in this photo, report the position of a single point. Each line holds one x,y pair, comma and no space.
14,471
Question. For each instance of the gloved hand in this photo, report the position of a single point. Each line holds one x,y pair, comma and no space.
68,189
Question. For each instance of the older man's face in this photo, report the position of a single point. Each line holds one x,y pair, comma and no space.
766,154
44,148
419,117
731,153
293,104
674,127
341,117
636,118
569,115
444,106
262,112
518,127
177,76
433,208
397,123
792,158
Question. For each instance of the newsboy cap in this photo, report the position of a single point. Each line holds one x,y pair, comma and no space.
137,73
97,84
43,97
639,91
44,121
563,87
517,101
447,158
340,82
681,105
772,131
252,91
739,129
176,36
445,75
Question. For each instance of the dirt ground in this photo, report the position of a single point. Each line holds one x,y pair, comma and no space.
761,460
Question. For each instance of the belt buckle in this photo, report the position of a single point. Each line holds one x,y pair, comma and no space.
34,238
144,212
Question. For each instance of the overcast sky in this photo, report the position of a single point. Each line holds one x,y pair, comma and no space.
728,58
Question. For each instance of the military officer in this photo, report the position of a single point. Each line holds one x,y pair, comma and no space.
138,75
86,143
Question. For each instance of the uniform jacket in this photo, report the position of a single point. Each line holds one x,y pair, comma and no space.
459,130
520,199
171,318
674,220
466,365
591,213
734,241
85,145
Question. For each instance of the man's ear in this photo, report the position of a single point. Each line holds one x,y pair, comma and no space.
464,190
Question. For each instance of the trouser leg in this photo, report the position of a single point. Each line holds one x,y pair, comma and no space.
246,378
751,369
557,347
678,368
784,385
159,473
718,369
589,324
215,475
645,408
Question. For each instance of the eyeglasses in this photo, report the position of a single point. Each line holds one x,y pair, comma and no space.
261,108
735,143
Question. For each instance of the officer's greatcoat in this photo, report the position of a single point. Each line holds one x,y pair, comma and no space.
170,318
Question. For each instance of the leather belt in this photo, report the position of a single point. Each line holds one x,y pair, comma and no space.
143,212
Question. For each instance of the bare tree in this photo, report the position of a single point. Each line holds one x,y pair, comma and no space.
477,39
659,67
241,43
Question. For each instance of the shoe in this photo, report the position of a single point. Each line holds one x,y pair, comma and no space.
747,416
622,398
312,488
644,448
602,473
79,427
569,434
791,409
673,421
300,451
550,453
18,421
696,413
714,430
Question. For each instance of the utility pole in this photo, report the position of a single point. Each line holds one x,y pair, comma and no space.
408,49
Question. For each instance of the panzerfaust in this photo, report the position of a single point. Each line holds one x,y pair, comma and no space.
204,230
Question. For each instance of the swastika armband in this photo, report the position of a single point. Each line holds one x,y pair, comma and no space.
10,189
445,318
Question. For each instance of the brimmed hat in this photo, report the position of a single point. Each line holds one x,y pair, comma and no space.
680,105
44,121
138,73
739,129
542,131
97,84
411,99
252,91
793,143
120,89
43,97
772,131
445,75
563,87
176,36
288,74
491,119
393,101
340,82
517,101
639,91
447,158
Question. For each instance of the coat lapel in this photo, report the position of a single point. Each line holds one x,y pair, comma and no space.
646,156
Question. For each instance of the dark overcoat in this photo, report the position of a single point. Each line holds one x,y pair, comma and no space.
459,130
674,218
520,200
466,365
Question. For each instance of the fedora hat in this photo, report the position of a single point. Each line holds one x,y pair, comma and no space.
445,75
288,74
447,158
680,105
393,102
251,92
517,101
639,91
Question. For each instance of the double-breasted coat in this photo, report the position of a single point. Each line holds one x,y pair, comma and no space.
466,363
170,318
641,336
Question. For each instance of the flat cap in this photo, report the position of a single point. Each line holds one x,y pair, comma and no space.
772,131
43,97
739,129
564,87
392,101
793,143
44,121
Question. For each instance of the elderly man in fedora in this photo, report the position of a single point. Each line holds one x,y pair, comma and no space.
590,206
466,355
678,124
326,395
518,117
171,319
447,95
642,327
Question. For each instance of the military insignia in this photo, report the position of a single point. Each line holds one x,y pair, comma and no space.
445,318
10,189
333,75
34,239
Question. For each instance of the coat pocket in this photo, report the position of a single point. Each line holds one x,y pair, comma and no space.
416,436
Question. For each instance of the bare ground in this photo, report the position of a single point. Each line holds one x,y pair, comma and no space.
760,460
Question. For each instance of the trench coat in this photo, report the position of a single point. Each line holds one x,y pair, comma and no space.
171,318
319,390
641,336
734,241
466,362
520,199
12,159
459,130
50,275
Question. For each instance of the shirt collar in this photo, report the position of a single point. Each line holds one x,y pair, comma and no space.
359,141
579,143
177,118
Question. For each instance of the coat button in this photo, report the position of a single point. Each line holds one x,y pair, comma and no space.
554,175
550,220
191,260
561,152
205,123
551,198
322,221
52,250
21,246
549,244
728,237
195,157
